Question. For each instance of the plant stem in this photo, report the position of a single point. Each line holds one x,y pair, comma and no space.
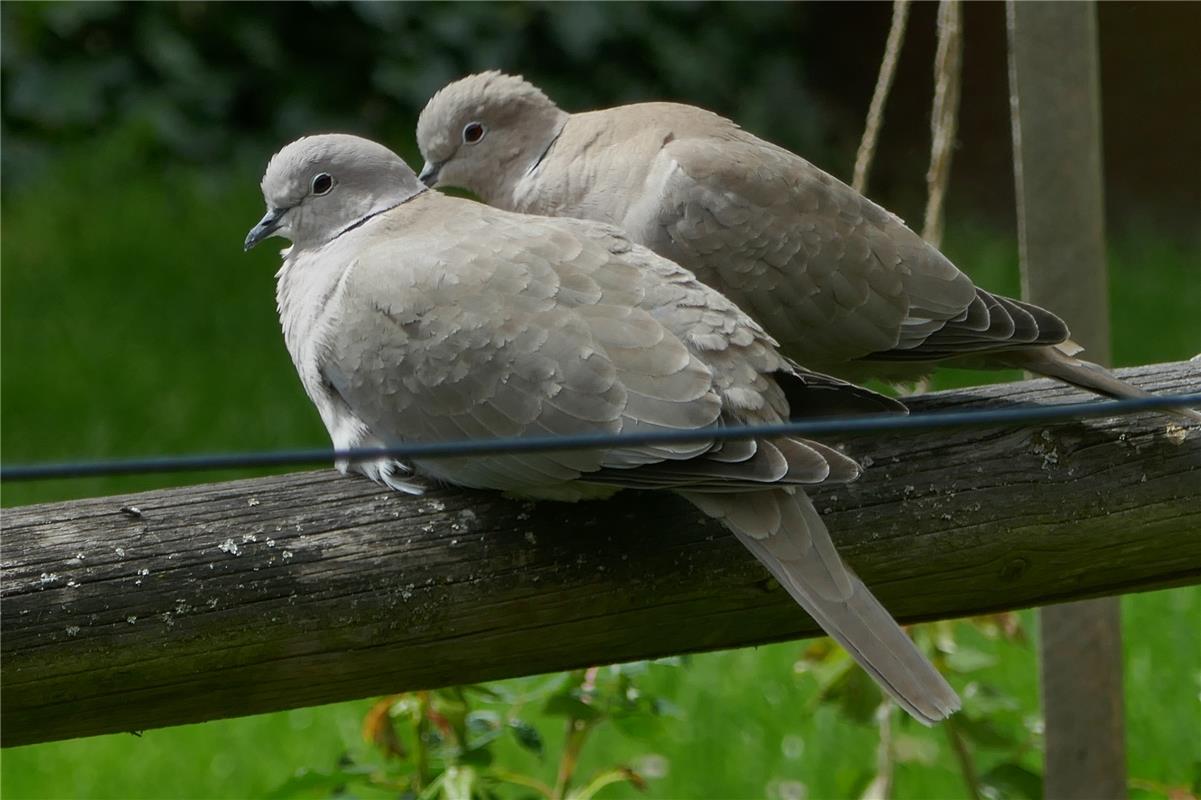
881,786
422,729
577,732
967,767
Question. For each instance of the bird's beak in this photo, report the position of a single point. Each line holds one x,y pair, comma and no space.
266,226
429,173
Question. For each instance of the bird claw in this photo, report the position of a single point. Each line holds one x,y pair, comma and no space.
389,475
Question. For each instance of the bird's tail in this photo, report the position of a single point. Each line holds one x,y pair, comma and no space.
1054,362
783,530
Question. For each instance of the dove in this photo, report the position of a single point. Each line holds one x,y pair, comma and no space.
843,285
415,317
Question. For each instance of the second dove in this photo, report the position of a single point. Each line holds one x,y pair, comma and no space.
842,284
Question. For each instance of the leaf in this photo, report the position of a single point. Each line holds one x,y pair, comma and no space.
606,778
448,710
527,736
986,733
434,787
818,650
983,699
476,757
1014,780
968,660
567,704
827,664
518,779
379,730
633,668
483,727
497,693
855,694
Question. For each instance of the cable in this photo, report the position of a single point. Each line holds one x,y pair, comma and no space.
874,423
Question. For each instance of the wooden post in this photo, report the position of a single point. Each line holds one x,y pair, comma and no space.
1054,80
202,602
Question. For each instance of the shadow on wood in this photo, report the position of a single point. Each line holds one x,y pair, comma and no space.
239,598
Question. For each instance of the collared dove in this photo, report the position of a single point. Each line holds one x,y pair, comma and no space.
843,285
416,317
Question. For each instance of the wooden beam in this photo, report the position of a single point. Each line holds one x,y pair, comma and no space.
197,603
1055,81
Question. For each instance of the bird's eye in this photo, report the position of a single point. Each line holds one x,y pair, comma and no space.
323,183
473,132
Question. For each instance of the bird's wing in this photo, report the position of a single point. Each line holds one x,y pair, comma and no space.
990,324
828,273
480,324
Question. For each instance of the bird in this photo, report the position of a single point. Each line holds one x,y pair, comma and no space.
842,284
416,317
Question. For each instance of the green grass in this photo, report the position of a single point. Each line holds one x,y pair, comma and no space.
133,324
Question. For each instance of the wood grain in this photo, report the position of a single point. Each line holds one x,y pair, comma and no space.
238,598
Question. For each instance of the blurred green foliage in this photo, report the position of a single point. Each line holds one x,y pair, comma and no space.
213,81
131,323
450,743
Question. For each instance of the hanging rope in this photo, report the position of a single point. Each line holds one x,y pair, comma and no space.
875,112
944,116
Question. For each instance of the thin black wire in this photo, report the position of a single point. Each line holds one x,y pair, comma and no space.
874,423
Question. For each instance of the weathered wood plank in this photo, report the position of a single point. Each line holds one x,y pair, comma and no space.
238,598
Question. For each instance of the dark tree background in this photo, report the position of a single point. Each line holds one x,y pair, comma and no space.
209,82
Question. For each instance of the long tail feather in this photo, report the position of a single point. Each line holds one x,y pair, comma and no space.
783,530
1054,363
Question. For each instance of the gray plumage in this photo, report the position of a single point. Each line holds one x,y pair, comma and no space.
416,317
843,285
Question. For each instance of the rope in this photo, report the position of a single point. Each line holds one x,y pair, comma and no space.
874,423
944,116
875,112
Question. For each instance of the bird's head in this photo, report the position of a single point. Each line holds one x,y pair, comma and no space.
319,186
484,130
